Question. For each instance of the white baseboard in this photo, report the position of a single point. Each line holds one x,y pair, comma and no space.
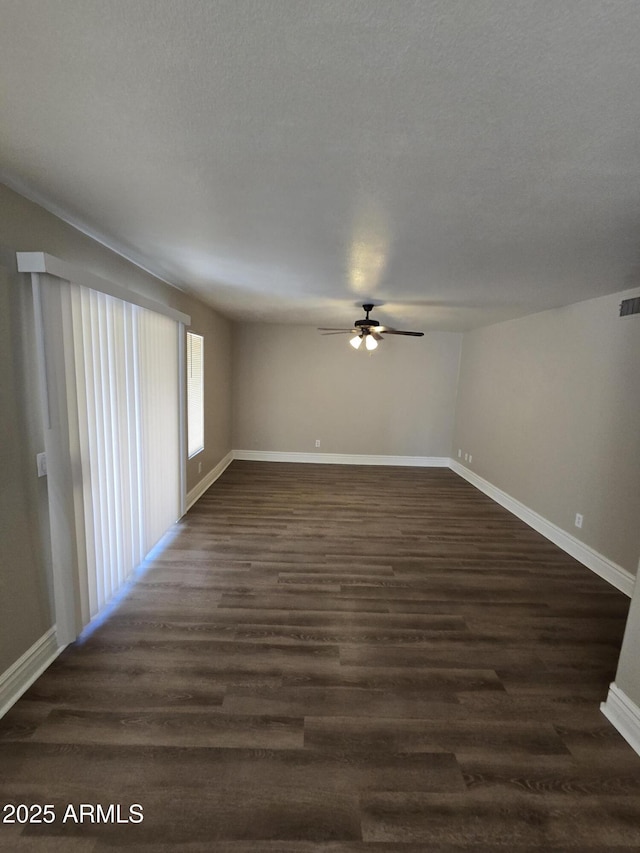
21,675
598,563
200,488
341,458
624,715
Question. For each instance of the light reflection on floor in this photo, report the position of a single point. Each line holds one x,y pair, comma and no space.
107,611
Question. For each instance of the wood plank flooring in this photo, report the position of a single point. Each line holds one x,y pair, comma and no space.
337,659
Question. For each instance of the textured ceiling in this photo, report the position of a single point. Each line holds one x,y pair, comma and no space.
459,162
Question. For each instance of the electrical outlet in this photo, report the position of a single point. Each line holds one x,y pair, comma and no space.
317,442
466,457
470,458
459,453
578,520
199,467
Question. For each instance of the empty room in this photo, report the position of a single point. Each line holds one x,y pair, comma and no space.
319,426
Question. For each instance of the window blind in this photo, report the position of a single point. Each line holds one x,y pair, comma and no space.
126,372
110,369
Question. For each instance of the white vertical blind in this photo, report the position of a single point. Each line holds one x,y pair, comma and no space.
113,403
159,424
126,376
195,393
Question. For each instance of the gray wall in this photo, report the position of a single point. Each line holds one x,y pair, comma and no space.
25,612
291,385
549,407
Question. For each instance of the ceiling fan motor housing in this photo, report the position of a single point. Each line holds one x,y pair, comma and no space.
367,323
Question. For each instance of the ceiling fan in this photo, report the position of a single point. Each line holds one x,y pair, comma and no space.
369,331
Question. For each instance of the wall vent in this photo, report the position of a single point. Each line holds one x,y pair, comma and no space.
630,306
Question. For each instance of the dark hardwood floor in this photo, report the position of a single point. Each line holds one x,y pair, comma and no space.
329,658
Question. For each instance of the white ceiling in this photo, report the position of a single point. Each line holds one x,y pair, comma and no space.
460,161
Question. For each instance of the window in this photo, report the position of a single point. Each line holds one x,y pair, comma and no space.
195,393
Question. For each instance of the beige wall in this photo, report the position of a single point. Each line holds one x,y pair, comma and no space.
24,593
549,407
217,333
25,612
291,385
628,675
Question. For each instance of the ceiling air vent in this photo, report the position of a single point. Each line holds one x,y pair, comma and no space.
630,306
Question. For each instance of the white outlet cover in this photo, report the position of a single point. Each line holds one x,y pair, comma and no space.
579,519
41,464
470,457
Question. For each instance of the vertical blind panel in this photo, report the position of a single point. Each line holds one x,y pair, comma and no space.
158,348
127,391
85,392
195,393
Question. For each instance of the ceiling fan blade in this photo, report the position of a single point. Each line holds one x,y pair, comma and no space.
366,327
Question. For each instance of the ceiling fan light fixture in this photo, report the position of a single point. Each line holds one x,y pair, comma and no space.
368,329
